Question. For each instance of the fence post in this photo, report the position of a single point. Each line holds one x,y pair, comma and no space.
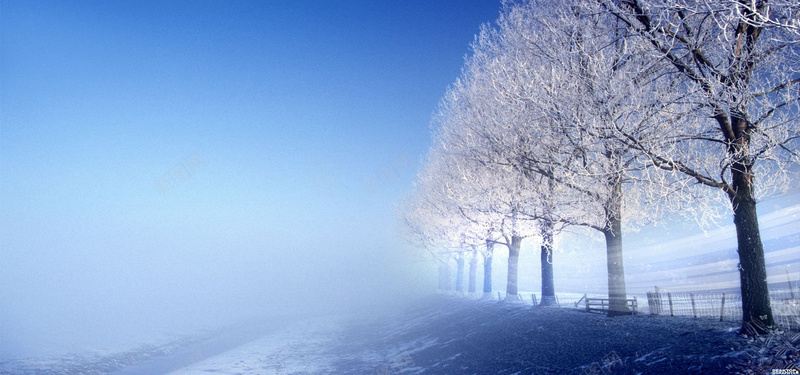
586,300
657,300
498,297
694,311
722,308
533,297
557,303
635,306
669,295
651,302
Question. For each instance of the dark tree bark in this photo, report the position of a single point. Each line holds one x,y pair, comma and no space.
756,308
724,86
460,275
487,268
513,265
548,286
757,315
473,270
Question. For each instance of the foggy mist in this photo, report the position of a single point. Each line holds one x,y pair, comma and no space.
173,168
264,188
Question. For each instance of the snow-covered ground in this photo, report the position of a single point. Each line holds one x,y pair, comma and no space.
459,336
300,347
103,360
449,335
153,353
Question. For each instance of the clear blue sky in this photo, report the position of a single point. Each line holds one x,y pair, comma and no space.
293,106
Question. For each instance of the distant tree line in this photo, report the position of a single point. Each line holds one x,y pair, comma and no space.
609,114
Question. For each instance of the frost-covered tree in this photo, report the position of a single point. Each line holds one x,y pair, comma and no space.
425,225
488,256
417,230
494,195
493,199
736,65
473,271
441,215
543,94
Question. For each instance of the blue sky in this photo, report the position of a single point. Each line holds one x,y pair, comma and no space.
294,108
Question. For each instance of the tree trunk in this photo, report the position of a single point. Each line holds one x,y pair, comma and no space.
756,310
460,275
487,270
616,274
548,286
513,265
473,267
613,233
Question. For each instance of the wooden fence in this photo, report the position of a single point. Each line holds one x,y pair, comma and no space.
602,304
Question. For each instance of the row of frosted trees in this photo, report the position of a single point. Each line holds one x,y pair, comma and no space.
609,114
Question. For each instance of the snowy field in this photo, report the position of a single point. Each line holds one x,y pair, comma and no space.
156,354
457,336
448,335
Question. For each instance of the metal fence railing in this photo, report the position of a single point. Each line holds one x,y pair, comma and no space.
722,306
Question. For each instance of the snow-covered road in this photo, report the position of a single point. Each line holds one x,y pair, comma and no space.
300,347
